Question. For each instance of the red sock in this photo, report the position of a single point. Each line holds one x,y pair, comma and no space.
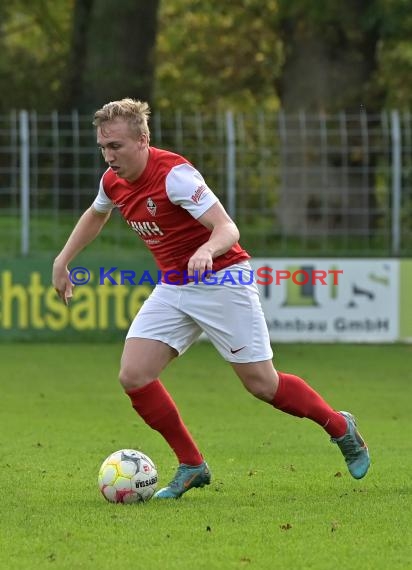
154,404
297,398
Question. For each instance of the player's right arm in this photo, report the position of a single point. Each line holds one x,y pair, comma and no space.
86,230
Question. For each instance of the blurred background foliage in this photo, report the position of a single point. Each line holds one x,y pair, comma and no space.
214,55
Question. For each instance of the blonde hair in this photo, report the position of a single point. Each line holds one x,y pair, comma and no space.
135,112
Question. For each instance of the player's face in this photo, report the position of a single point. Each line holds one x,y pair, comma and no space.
125,153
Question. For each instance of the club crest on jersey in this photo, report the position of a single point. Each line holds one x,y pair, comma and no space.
151,206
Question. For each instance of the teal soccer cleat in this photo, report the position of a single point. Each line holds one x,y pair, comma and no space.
187,477
353,448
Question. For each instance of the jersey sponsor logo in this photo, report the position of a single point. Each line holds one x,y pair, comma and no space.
200,190
146,229
151,206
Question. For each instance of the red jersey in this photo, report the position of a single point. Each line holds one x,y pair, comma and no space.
162,207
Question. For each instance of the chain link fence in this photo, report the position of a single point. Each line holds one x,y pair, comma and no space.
295,184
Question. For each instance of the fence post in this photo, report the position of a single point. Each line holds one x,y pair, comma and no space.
230,164
24,182
396,180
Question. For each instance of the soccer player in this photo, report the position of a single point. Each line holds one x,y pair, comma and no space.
166,201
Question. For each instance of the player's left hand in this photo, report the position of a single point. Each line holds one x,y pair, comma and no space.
200,262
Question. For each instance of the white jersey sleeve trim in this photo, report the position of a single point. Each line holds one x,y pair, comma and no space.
102,203
186,187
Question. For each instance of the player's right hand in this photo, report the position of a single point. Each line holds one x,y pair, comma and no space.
61,283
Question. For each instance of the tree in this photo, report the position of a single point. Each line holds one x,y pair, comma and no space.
33,50
73,92
331,53
331,61
203,55
120,52
217,55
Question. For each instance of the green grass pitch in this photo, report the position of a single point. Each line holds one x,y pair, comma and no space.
280,496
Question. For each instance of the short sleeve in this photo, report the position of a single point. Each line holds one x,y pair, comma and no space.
102,203
186,187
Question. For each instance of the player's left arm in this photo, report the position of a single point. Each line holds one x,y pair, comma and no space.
224,235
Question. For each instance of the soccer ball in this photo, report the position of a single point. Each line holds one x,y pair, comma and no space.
127,476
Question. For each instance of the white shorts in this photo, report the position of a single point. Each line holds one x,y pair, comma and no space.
230,314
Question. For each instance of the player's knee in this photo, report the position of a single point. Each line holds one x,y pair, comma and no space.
261,388
133,377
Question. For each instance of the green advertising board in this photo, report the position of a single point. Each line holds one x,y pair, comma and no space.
106,303
102,308
405,302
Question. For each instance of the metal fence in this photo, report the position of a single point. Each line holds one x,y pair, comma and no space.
296,185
